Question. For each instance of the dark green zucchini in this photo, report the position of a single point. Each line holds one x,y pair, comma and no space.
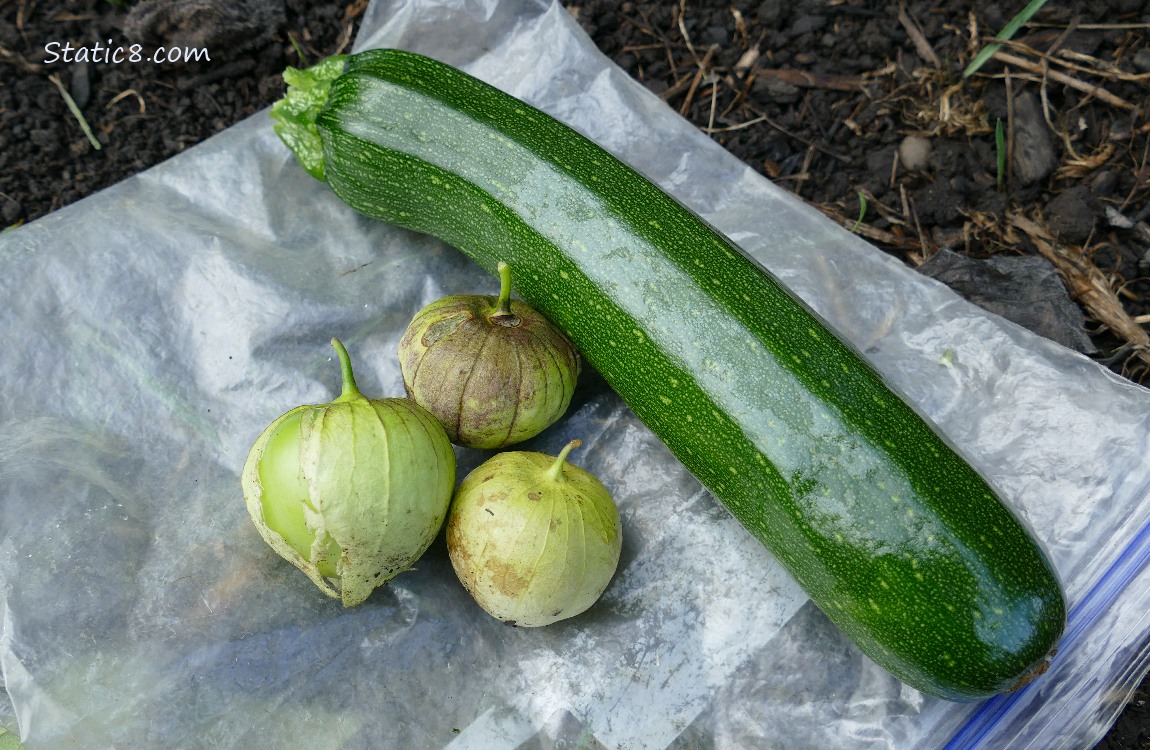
896,538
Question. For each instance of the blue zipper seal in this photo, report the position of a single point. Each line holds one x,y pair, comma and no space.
1080,620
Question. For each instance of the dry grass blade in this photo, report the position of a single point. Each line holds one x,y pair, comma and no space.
123,95
75,110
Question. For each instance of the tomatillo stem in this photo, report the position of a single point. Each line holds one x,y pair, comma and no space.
555,473
503,315
350,390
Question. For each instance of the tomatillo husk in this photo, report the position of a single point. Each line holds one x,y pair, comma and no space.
352,492
533,539
492,370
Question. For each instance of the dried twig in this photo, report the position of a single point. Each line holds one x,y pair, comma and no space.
921,45
1077,167
1095,26
1142,170
804,79
740,126
1094,67
683,31
763,117
741,93
1010,123
926,249
714,103
700,75
1054,75
890,239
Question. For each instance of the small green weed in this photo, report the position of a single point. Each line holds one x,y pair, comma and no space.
1007,33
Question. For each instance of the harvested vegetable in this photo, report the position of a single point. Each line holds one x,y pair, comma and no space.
533,539
352,492
492,370
889,530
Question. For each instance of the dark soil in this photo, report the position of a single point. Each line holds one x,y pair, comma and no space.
862,111
855,107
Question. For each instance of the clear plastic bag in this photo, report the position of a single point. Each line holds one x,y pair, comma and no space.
151,331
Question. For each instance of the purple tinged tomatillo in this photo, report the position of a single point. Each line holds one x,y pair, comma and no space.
351,492
493,371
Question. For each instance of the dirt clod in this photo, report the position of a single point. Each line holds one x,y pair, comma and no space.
1071,214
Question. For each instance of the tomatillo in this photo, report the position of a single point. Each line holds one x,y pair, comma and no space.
533,539
352,492
493,371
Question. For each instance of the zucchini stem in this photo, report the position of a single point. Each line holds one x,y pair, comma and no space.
294,115
555,473
350,390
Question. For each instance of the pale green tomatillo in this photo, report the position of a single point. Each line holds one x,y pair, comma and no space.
352,492
532,538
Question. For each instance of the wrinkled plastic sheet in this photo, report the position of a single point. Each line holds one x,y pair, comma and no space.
151,331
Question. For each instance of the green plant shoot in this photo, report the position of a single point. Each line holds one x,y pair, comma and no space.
1007,33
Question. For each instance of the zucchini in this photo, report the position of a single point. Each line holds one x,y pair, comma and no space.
891,533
